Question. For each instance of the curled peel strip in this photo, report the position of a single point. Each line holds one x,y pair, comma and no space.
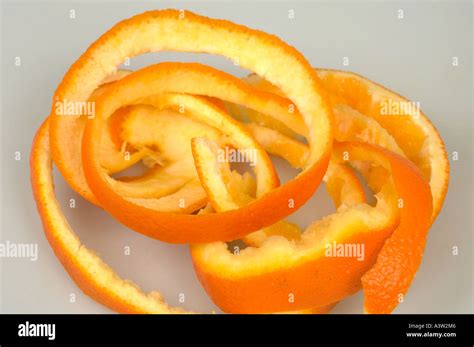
362,111
88,270
280,261
260,279
149,32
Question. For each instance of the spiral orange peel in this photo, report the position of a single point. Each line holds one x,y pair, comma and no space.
173,119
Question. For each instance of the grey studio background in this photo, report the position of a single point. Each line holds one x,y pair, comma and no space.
412,55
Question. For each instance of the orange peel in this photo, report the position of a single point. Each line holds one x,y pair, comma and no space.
261,279
377,115
149,32
89,271
225,192
172,118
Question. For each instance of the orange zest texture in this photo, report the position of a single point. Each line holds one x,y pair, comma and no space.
177,120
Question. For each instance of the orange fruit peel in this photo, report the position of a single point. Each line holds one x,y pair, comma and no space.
400,257
88,270
173,119
377,115
261,279
147,218
254,272
149,31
